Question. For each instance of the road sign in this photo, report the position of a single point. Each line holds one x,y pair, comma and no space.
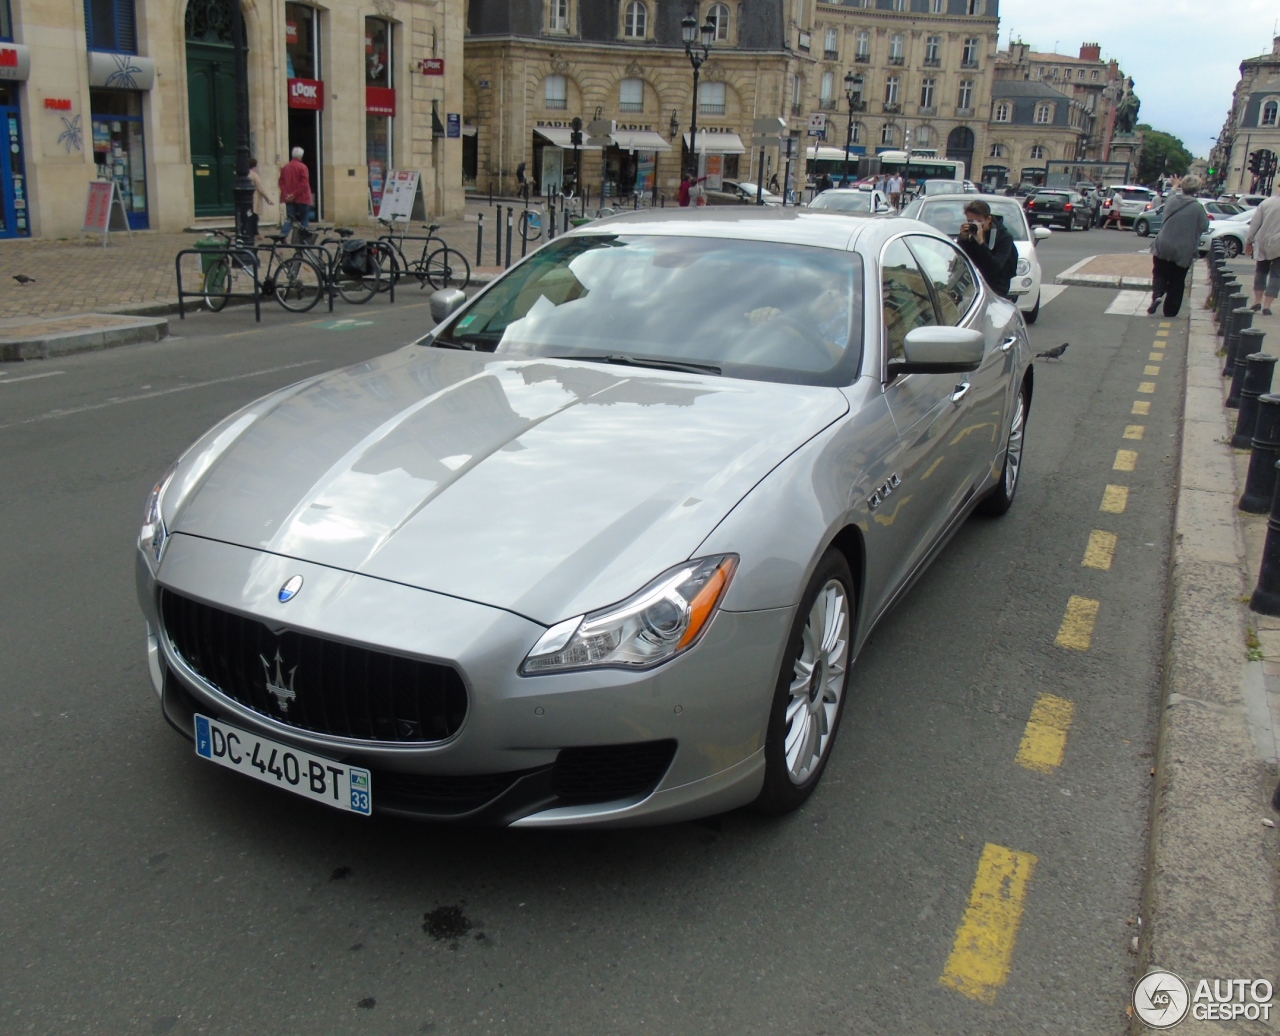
602,128
772,126
600,142
765,141
817,124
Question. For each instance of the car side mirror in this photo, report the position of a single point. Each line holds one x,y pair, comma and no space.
446,302
939,350
1040,233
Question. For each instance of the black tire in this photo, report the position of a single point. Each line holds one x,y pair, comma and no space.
448,268
1000,499
528,230
1034,315
1231,246
784,791
358,289
1069,225
1141,227
217,284
298,284
392,271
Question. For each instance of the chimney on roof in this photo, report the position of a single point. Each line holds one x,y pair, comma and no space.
1275,45
1090,52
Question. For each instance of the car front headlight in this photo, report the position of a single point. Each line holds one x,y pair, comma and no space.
154,535
663,620
1024,267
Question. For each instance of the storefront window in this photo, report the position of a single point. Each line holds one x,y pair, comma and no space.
300,41
6,22
380,104
306,91
119,151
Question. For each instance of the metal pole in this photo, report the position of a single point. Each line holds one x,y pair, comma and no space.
509,211
848,143
760,185
243,190
497,239
480,239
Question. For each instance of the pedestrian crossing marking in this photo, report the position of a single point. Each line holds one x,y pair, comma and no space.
1129,303
1101,549
1044,743
1134,431
1126,460
1115,499
1141,407
1151,370
1076,631
1147,387
982,954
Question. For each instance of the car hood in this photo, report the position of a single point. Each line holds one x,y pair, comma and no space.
545,487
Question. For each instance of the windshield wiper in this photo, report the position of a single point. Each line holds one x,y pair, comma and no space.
642,361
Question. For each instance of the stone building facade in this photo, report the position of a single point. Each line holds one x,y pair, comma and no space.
1252,124
1031,124
142,93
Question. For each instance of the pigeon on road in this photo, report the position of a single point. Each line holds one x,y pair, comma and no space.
22,278
1053,354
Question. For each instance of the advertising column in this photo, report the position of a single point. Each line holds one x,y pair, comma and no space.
379,106
306,92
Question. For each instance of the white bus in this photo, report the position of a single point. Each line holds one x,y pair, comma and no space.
925,165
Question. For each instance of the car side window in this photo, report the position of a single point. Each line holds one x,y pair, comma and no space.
907,303
947,269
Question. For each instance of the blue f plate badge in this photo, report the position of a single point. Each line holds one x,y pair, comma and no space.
290,589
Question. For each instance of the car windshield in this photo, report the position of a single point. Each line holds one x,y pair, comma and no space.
843,201
1055,195
1133,194
946,215
746,309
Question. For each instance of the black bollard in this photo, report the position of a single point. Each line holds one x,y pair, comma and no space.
1230,340
480,239
1246,345
1259,368
1266,596
510,210
497,239
490,194
524,243
551,218
1259,487
566,219
1223,292
1231,299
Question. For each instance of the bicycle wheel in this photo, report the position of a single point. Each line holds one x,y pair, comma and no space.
298,284
530,225
359,288
217,284
448,268
392,269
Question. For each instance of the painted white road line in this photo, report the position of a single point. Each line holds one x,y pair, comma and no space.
1049,292
1129,303
31,377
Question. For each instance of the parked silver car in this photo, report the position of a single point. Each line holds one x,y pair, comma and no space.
603,547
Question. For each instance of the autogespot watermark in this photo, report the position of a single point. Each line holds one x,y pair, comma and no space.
1161,999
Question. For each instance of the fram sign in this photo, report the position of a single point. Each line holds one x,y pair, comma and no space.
306,93
15,61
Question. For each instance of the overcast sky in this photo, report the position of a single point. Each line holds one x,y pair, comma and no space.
1184,57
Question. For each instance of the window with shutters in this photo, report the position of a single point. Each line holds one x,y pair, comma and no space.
631,95
110,25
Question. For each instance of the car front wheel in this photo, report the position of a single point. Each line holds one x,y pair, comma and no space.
1142,228
810,692
1231,245
1033,313
1000,499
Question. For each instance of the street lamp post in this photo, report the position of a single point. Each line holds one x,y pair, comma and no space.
853,94
698,53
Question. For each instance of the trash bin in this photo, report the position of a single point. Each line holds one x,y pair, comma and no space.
208,244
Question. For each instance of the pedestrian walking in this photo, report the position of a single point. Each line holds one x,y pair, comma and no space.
773,184
260,199
295,192
1113,213
524,183
895,191
1263,243
1176,246
984,239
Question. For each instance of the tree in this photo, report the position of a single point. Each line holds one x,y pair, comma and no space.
1162,155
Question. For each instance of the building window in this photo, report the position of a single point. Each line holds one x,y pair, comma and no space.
864,45
1269,112
1053,73
1003,111
1037,152
1040,72
719,15
797,93
1066,73
888,134
636,24
631,95
1044,114
711,99
828,87
933,50
6,21
970,57
964,98
895,49
857,133
974,6
891,86
560,15
556,92
937,6
998,151
832,45
924,137
379,104
928,87
1094,74
899,5
108,25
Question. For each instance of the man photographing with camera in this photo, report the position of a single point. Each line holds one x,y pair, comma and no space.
984,239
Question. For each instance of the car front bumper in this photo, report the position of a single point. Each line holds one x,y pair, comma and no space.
710,704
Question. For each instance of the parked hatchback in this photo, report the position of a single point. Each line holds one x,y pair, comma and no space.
1065,209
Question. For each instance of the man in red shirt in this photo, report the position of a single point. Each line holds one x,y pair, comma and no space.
295,192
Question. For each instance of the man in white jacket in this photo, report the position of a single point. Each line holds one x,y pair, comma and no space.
1263,243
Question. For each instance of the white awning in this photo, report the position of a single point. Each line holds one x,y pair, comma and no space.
718,143
559,136
640,140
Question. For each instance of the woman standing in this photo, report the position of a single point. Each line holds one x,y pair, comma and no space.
1263,243
1176,246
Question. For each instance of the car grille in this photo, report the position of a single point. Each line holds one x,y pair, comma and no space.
319,685
441,796
607,772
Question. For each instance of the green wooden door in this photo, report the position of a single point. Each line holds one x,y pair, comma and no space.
211,99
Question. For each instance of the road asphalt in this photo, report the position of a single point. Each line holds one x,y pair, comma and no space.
977,860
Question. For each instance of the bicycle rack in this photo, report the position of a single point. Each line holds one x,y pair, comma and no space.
243,254
398,241
321,260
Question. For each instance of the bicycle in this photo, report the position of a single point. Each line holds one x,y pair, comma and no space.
530,224
442,268
357,269
294,281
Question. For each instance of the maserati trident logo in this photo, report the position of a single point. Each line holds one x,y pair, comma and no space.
277,686
290,589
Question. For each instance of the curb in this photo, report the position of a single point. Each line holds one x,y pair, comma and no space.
1209,901
68,343
1070,276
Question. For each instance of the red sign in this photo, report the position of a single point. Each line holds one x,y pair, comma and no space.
290,32
8,57
431,66
306,93
97,213
60,104
379,100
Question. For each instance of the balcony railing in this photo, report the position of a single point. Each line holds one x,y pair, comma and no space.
556,103
862,59
927,109
710,109
831,55
828,104
898,60
969,63
797,109
631,106
964,113
933,62
892,106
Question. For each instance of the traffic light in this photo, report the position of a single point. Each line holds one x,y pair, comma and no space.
1212,171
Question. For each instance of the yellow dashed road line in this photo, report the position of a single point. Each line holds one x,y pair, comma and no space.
1163,332
982,954
1115,499
1141,407
1151,370
1100,551
1134,431
1126,460
1157,357
1076,631
1165,323
1044,743
1146,387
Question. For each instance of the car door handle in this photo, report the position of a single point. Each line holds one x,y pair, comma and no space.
961,391
1008,343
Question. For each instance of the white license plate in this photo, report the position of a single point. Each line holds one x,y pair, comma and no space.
312,776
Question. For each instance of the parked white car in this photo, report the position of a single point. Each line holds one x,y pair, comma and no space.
852,199
946,212
1231,230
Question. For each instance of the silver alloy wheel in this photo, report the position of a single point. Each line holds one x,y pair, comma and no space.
1013,456
817,682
